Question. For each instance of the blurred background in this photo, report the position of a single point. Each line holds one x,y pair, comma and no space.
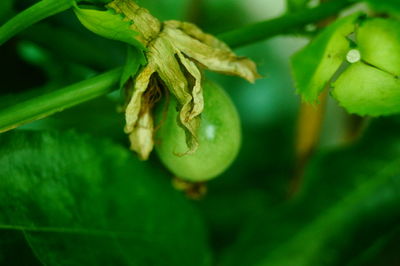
249,209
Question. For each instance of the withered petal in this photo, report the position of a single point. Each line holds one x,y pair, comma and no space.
141,137
216,59
197,92
169,69
195,32
142,21
135,103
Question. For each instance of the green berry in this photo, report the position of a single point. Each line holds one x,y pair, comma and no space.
219,137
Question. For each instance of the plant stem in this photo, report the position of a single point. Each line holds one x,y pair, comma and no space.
50,103
308,133
284,24
31,15
309,126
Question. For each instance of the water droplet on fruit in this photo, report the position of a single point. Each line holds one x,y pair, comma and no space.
210,132
353,56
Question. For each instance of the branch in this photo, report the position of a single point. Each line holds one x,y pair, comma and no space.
31,15
266,29
50,103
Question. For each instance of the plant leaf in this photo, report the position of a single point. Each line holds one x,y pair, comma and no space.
296,5
109,25
350,200
315,64
134,60
84,201
6,9
390,6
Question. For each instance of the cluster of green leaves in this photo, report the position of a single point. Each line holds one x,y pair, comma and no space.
82,201
348,205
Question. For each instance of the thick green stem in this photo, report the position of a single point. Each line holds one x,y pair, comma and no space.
31,15
284,24
58,100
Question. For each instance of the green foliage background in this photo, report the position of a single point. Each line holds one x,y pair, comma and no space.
72,194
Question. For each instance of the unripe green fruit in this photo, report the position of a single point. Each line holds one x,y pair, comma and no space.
219,137
379,43
366,90
371,85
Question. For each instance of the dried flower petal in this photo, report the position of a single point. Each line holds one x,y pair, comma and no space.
141,137
134,105
212,53
141,19
169,69
175,52
197,93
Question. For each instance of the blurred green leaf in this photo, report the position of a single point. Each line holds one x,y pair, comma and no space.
315,64
350,200
384,251
11,242
105,122
166,9
6,10
84,201
295,5
389,6
209,14
67,45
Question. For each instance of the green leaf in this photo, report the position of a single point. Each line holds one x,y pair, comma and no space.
6,9
167,9
84,201
389,6
134,60
78,47
104,122
384,251
314,65
109,25
295,5
350,200
30,16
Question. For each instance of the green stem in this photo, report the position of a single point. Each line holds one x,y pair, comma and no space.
31,15
58,100
266,29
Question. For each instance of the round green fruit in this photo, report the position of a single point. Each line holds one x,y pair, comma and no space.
371,84
378,40
219,137
366,90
